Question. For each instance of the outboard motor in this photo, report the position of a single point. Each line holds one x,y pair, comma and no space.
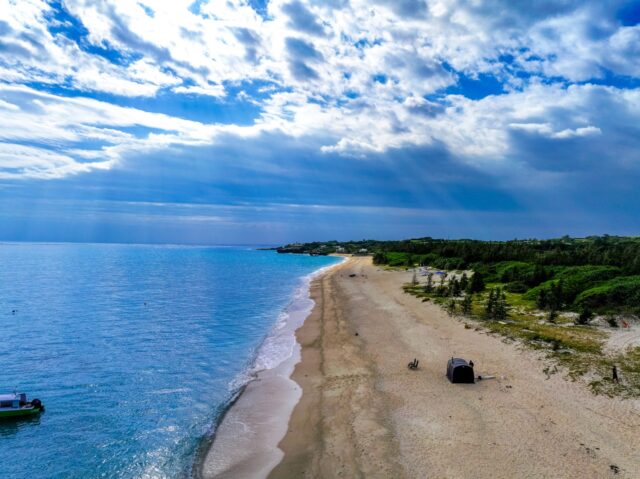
37,404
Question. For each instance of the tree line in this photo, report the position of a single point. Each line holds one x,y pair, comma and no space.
597,273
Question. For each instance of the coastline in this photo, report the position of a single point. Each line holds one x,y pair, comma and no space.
247,434
364,414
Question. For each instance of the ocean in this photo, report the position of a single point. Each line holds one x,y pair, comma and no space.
135,350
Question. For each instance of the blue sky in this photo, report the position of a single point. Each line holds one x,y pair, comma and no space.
235,121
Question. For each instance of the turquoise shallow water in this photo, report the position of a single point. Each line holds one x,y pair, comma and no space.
134,350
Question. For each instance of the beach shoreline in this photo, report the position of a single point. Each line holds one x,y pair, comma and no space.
247,434
363,413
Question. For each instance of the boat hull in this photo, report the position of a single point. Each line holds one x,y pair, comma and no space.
20,412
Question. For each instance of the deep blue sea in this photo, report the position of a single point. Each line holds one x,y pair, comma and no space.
135,350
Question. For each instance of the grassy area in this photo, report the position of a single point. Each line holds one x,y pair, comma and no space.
628,363
579,349
549,290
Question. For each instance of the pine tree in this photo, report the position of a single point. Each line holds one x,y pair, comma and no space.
539,275
542,300
429,286
490,304
451,306
555,296
455,287
464,282
477,283
500,308
467,304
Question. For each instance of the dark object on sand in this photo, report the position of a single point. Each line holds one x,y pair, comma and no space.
459,371
413,364
614,374
352,275
471,363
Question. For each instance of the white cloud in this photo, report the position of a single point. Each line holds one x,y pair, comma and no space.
354,73
578,132
212,90
76,135
19,161
5,105
229,42
546,129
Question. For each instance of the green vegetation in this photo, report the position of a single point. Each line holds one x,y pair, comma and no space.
600,273
566,340
622,291
544,293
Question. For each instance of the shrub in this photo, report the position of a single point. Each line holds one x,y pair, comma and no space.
621,293
569,284
476,284
585,315
516,287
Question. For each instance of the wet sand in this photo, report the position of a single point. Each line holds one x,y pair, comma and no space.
246,440
364,414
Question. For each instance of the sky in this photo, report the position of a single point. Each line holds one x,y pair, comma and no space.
276,121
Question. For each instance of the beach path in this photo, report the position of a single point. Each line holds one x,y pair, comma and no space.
363,413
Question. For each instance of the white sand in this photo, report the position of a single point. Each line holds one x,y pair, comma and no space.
364,414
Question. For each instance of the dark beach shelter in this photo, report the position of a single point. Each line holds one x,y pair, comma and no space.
459,371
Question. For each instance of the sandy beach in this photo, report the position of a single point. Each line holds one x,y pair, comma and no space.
363,413
246,440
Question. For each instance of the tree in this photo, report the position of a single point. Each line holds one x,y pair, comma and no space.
490,304
451,306
464,282
539,275
467,304
541,300
477,283
455,287
585,315
380,258
555,298
496,306
500,308
429,286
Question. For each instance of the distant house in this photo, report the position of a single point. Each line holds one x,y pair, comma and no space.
362,252
340,249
